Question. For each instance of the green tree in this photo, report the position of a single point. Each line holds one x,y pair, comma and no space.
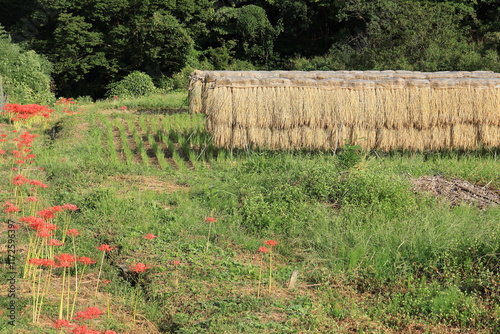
75,50
415,35
95,42
247,30
160,45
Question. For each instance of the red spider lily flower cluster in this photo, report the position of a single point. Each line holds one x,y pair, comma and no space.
263,249
10,207
65,260
62,323
86,260
150,236
41,221
70,207
175,262
55,242
139,267
50,213
210,220
73,232
105,248
89,313
20,180
22,152
23,112
42,262
271,243
65,101
31,199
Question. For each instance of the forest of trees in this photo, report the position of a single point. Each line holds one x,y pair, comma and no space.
93,43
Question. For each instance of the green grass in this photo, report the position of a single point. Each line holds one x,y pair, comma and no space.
372,255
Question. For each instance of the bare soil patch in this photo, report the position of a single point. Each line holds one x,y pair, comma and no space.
148,183
457,191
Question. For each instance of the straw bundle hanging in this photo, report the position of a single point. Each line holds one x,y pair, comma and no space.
326,109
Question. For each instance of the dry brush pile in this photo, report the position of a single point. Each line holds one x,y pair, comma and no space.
383,110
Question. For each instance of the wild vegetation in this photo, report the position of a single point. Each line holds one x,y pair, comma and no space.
189,238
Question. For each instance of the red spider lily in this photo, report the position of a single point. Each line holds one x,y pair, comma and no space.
210,220
23,112
83,330
106,281
71,207
10,207
42,262
2,152
31,199
56,208
150,236
271,243
15,227
105,248
46,214
50,227
263,249
48,263
73,232
65,101
44,233
38,183
62,322
65,260
89,313
175,262
86,260
109,332
35,262
55,242
139,267
123,108
35,223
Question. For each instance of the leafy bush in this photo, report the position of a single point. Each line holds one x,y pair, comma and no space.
135,84
24,75
349,156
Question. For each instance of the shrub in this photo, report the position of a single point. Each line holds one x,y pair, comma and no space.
24,75
135,84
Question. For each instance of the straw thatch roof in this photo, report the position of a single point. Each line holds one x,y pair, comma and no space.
326,109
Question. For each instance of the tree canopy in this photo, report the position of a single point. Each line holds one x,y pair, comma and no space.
93,43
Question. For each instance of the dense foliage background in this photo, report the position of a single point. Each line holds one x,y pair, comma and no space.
94,43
